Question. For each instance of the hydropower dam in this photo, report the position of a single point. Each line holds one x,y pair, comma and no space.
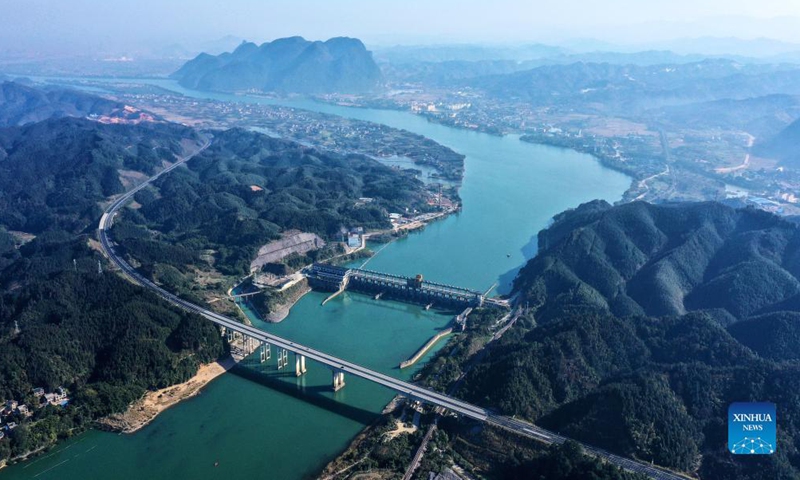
415,289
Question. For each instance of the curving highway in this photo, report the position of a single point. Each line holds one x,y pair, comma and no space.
407,389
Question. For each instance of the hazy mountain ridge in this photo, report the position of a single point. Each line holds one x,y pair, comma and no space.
290,65
643,86
21,104
785,146
759,116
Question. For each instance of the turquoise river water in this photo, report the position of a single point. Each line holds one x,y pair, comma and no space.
274,426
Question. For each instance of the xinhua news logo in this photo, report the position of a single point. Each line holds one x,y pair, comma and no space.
752,428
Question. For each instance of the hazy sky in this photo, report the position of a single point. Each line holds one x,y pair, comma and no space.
113,25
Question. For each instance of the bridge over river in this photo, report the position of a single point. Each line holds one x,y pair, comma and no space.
339,366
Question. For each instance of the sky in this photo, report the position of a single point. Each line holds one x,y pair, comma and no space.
131,25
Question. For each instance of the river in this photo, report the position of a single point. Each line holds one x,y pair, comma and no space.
279,427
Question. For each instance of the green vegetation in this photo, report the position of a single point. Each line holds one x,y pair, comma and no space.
210,206
450,361
54,174
489,453
20,104
562,462
63,323
105,340
648,321
481,451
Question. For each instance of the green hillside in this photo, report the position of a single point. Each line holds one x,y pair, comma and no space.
211,205
63,323
646,323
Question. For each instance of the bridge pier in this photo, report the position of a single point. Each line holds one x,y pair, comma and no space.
283,358
266,352
299,364
338,380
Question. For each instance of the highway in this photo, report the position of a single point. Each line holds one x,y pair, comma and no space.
337,364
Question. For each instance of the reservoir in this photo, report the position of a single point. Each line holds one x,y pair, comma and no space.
273,425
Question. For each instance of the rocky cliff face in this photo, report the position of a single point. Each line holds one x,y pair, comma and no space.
291,65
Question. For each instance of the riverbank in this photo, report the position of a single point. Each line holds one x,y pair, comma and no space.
508,183
147,408
273,306
279,309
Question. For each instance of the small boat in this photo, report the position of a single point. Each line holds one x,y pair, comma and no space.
508,255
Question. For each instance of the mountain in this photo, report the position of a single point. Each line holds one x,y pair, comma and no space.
212,206
641,259
785,146
642,86
290,65
54,173
645,323
63,323
21,104
758,116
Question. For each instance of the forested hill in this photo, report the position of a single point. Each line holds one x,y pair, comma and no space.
642,259
22,104
646,322
63,323
338,65
246,189
54,174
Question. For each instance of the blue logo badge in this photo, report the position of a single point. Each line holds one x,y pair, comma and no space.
751,428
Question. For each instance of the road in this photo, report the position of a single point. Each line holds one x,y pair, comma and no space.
643,183
337,364
420,452
750,141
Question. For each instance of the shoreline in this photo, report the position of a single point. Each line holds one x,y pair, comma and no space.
143,411
425,348
284,309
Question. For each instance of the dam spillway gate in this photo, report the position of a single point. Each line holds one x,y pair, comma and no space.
333,278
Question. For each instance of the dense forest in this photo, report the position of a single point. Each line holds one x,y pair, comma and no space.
646,323
246,189
63,323
54,173
22,104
